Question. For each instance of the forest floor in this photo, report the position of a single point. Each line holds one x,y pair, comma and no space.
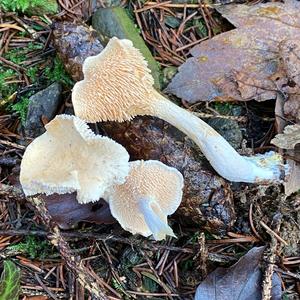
216,225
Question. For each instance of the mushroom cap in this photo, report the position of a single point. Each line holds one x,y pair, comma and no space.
69,157
147,181
117,84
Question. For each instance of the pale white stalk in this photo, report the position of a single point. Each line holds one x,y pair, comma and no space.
221,155
155,219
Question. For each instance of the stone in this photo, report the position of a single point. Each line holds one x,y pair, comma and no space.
114,21
42,104
229,129
74,43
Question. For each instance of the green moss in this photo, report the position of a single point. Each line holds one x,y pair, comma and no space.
7,88
30,7
34,247
35,46
58,73
32,73
21,108
16,55
223,108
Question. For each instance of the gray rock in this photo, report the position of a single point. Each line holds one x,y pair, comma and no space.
43,103
229,129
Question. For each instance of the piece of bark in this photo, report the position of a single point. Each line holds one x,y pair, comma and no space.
207,198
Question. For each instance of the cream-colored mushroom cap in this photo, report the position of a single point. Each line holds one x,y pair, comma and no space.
69,157
152,191
117,84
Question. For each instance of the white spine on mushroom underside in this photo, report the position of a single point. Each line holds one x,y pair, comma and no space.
157,223
152,191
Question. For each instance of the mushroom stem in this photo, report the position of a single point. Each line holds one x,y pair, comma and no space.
221,155
154,219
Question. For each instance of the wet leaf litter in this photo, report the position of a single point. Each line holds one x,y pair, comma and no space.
218,221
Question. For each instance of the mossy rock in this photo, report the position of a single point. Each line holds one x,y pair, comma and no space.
114,21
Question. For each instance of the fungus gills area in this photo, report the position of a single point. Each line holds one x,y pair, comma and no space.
154,219
221,155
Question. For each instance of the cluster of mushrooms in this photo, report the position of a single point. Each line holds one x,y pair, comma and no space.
69,157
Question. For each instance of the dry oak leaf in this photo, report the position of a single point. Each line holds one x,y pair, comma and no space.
289,138
239,64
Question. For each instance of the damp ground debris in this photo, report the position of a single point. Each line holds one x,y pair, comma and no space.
247,88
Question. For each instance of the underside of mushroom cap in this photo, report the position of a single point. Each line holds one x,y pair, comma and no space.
117,84
69,157
150,181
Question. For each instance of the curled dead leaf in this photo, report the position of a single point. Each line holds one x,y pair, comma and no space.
241,281
289,138
67,212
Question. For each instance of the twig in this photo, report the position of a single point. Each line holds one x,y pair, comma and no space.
100,237
268,274
271,232
11,64
11,26
288,273
73,262
15,193
178,5
251,222
267,282
150,6
202,255
45,287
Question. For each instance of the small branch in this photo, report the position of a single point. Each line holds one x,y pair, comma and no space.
267,282
271,258
11,192
73,262
272,233
16,194
99,237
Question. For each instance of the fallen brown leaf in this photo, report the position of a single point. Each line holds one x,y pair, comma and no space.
67,212
289,138
239,282
240,64
290,54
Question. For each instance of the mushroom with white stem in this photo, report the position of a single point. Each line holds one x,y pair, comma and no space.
118,86
151,192
69,157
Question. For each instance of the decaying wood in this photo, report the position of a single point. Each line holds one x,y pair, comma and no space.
207,198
